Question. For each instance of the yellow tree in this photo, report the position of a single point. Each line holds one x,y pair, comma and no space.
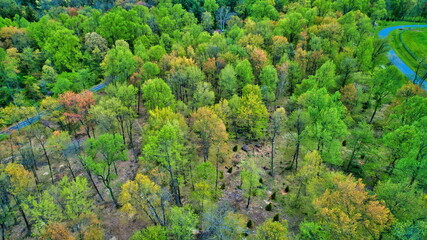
346,210
21,183
209,128
143,196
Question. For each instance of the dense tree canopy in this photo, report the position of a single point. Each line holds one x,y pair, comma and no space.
214,119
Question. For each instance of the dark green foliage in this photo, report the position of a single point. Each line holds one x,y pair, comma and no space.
250,224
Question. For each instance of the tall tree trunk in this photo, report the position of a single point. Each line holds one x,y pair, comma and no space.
375,111
94,185
69,166
272,154
27,224
48,161
249,195
107,184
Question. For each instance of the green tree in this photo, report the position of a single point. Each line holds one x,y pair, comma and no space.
204,95
102,155
325,126
166,148
385,83
250,179
361,136
64,49
119,63
156,232
244,74
251,114
182,223
156,52
278,123
227,82
269,79
143,196
157,94
273,230
209,128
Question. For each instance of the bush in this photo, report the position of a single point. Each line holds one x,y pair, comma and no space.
269,207
276,218
273,196
250,224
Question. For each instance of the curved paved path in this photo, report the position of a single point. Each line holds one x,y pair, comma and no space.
397,61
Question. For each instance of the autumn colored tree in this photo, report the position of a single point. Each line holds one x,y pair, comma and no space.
77,110
20,184
143,196
251,113
273,230
210,129
346,210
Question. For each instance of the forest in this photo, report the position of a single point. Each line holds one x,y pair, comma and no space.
212,119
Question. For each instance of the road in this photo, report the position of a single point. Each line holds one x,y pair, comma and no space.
396,61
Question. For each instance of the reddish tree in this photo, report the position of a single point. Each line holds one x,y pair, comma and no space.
77,107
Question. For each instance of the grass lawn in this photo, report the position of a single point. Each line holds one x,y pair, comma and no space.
416,41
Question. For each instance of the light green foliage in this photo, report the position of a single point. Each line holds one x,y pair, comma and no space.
119,63
324,78
157,94
204,95
102,154
64,49
326,126
166,148
121,24
250,179
211,6
272,230
156,232
156,52
269,80
227,82
385,82
405,202
244,74
251,115
204,186
67,201
263,9
182,223
408,152
150,70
